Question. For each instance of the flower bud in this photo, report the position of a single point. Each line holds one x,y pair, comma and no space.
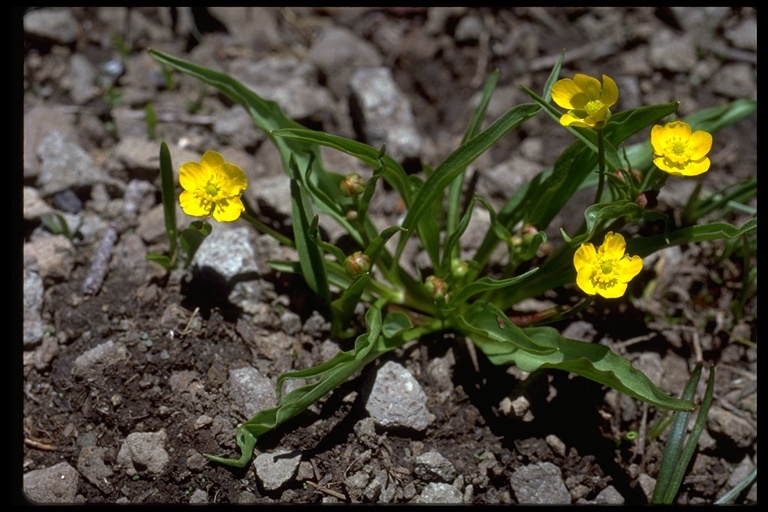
647,199
352,185
436,287
357,263
459,268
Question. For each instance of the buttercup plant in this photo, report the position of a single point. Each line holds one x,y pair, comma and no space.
460,293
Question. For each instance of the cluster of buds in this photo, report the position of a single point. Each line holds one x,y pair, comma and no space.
436,287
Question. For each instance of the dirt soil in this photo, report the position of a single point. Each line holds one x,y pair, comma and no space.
168,349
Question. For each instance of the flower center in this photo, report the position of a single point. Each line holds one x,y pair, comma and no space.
604,274
677,151
212,189
593,106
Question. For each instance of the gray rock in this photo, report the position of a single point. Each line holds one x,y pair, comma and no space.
82,76
92,363
56,484
338,53
198,497
57,24
54,254
647,484
272,194
226,254
609,496
144,452
735,80
469,29
236,128
539,484
700,18
384,113
240,23
672,52
724,424
251,391
90,464
289,82
39,121
397,399
276,469
433,466
744,35
436,492
33,205
64,165
33,307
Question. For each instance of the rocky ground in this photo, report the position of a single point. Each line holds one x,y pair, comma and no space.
125,383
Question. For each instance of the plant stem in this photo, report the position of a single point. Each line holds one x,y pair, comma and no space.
600,165
267,230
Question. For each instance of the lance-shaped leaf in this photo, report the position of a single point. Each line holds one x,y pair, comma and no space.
591,360
310,254
491,330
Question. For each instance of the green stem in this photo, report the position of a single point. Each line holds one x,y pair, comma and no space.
600,164
267,230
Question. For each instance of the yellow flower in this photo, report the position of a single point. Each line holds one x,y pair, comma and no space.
212,187
607,270
678,151
588,103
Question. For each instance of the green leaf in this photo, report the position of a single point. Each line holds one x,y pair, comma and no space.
393,172
451,245
491,330
457,163
395,323
713,231
597,213
192,237
168,195
161,259
677,455
310,255
591,360
343,308
482,285
454,192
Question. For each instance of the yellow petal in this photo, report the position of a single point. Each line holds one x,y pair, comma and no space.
614,245
610,91
658,139
192,175
694,168
212,159
584,257
678,130
613,292
589,85
236,180
192,204
700,143
663,164
584,281
563,91
228,210
629,268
